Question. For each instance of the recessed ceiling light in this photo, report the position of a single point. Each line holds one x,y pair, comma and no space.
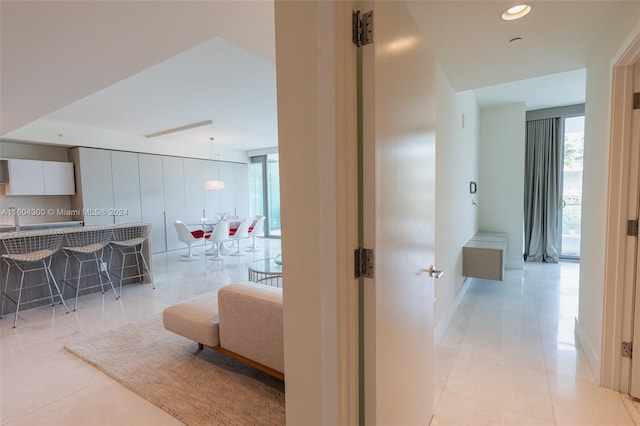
516,12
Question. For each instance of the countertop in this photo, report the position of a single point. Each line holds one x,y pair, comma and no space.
5,227
69,227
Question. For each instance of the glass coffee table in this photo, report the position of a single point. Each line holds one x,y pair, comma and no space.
266,271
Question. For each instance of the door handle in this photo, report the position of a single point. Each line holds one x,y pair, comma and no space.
433,273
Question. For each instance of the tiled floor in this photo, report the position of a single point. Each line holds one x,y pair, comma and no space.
43,384
508,358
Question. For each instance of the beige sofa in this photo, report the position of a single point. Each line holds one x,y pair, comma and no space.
243,321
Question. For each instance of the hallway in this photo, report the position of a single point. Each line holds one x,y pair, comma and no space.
509,357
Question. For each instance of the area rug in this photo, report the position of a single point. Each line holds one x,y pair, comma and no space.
196,387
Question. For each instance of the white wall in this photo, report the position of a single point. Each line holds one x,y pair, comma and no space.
594,201
501,184
316,130
456,165
595,185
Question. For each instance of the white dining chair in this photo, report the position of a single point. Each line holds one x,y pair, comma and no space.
218,236
241,232
185,236
257,229
207,229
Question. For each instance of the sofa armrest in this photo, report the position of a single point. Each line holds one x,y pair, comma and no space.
251,323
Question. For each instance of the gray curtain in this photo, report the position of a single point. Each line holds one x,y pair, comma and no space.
543,162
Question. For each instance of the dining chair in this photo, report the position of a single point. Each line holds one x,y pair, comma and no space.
241,232
187,237
218,236
207,229
256,229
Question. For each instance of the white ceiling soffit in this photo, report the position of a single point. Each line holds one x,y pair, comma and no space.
56,52
215,80
567,88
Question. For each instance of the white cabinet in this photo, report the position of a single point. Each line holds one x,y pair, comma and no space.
152,199
211,171
35,177
174,198
193,190
241,189
58,178
25,177
126,187
118,187
95,186
227,196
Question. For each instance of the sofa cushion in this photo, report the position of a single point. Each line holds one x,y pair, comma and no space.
195,319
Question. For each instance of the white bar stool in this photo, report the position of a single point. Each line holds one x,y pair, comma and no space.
129,240
87,247
30,252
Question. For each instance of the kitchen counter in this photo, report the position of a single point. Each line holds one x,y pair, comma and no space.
36,226
59,259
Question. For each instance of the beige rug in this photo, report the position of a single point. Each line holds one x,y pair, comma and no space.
197,388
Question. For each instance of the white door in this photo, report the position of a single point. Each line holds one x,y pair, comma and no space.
399,124
633,256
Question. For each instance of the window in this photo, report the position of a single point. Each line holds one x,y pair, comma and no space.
571,203
265,191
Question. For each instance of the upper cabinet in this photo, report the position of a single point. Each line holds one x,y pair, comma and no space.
34,177
58,178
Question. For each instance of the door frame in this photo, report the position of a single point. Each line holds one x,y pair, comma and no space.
317,135
618,286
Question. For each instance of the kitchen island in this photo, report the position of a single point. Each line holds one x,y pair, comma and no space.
112,258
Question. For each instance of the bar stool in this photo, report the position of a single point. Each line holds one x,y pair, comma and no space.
31,252
87,247
129,240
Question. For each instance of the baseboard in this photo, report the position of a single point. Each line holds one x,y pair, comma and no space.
593,357
443,325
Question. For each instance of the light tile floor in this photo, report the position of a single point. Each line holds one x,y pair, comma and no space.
43,384
508,358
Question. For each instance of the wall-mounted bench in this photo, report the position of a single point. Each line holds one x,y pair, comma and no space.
484,256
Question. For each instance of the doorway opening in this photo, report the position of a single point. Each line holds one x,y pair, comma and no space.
571,204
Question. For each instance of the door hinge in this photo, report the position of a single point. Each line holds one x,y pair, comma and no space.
362,28
636,100
632,228
363,262
627,349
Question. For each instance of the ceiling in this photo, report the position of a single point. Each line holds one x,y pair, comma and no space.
91,64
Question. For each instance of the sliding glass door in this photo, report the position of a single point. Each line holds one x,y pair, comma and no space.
571,203
265,191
